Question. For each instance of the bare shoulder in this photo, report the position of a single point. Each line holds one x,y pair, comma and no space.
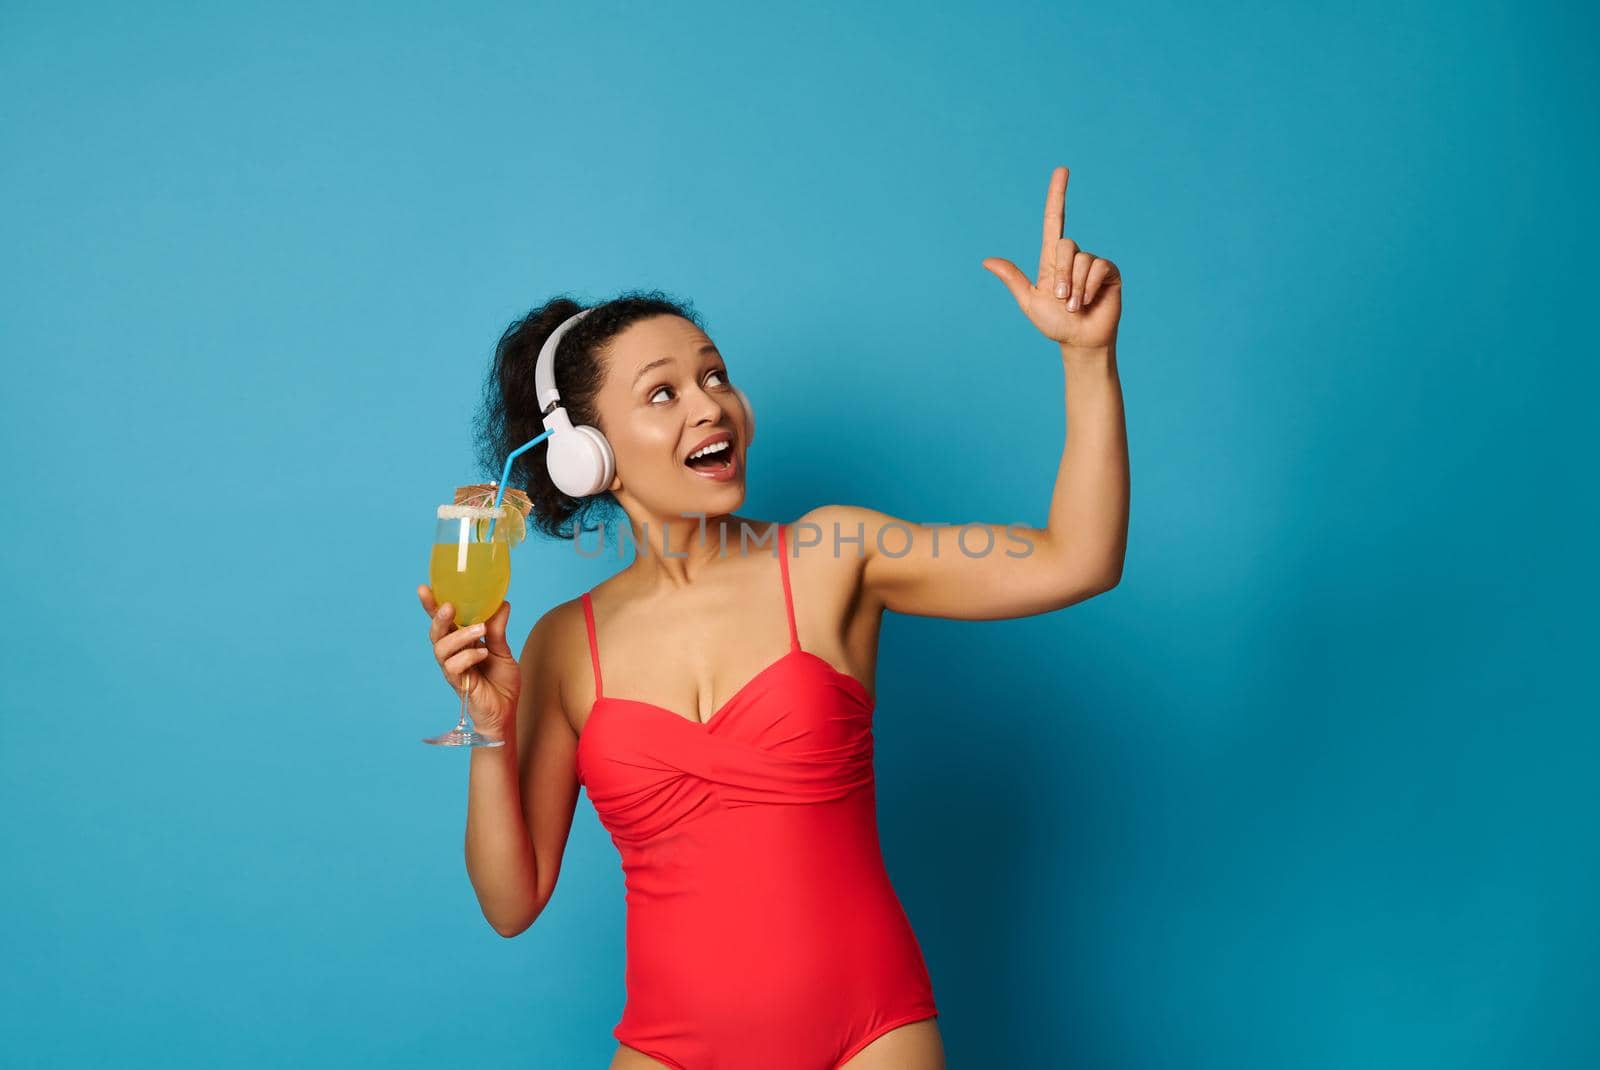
849,528
834,543
545,635
837,531
556,648
842,521
853,525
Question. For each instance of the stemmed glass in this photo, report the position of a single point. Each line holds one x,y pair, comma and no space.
471,569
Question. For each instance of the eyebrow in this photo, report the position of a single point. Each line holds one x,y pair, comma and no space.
707,348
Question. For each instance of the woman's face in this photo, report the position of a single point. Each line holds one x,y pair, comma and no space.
666,391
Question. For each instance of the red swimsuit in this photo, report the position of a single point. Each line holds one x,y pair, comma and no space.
762,928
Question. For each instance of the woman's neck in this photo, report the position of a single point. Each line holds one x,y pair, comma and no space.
676,552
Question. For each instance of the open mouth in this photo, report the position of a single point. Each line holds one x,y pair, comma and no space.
715,461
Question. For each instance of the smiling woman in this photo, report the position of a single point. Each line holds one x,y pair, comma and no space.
718,709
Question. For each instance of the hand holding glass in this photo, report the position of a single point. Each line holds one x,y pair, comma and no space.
471,570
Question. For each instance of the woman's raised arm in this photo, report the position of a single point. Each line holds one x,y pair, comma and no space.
985,571
997,571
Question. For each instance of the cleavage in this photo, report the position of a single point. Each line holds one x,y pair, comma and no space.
628,694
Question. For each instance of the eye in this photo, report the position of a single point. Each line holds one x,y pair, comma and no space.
720,373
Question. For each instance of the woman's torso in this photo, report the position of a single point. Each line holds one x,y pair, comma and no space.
762,924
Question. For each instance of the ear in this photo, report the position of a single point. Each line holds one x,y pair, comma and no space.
749,418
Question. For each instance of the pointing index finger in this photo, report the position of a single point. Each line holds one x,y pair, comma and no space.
1055,212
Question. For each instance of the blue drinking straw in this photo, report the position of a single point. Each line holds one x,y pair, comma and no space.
505,474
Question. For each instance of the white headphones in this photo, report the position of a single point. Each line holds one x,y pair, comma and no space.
579,458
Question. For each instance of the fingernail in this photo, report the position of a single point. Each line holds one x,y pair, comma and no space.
476,629
1061,289
1072,306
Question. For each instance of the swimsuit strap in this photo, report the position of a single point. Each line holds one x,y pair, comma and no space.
788,595
594,649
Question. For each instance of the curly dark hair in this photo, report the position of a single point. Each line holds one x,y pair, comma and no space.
509,415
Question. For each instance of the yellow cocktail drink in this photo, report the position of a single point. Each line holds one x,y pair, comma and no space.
476,588
470,569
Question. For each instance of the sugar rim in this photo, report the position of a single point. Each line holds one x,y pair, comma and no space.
468,512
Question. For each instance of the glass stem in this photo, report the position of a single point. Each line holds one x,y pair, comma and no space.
461,724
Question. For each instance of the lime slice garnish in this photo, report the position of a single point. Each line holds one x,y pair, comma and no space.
509,526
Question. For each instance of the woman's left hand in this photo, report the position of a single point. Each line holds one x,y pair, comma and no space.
1083,315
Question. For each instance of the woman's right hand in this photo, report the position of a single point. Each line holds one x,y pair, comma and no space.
485,668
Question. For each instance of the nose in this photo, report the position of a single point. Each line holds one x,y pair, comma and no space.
707,407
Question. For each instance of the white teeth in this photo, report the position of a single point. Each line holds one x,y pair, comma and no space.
713,448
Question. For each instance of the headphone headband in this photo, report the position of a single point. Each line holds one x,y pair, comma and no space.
544,369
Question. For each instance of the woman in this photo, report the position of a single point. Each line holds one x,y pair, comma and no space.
735,777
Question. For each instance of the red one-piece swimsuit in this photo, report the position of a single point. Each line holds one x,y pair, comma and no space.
763,932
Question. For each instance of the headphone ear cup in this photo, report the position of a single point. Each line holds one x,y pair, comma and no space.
580,461
607,461
749,418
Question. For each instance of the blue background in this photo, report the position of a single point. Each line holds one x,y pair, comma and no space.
1314,787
